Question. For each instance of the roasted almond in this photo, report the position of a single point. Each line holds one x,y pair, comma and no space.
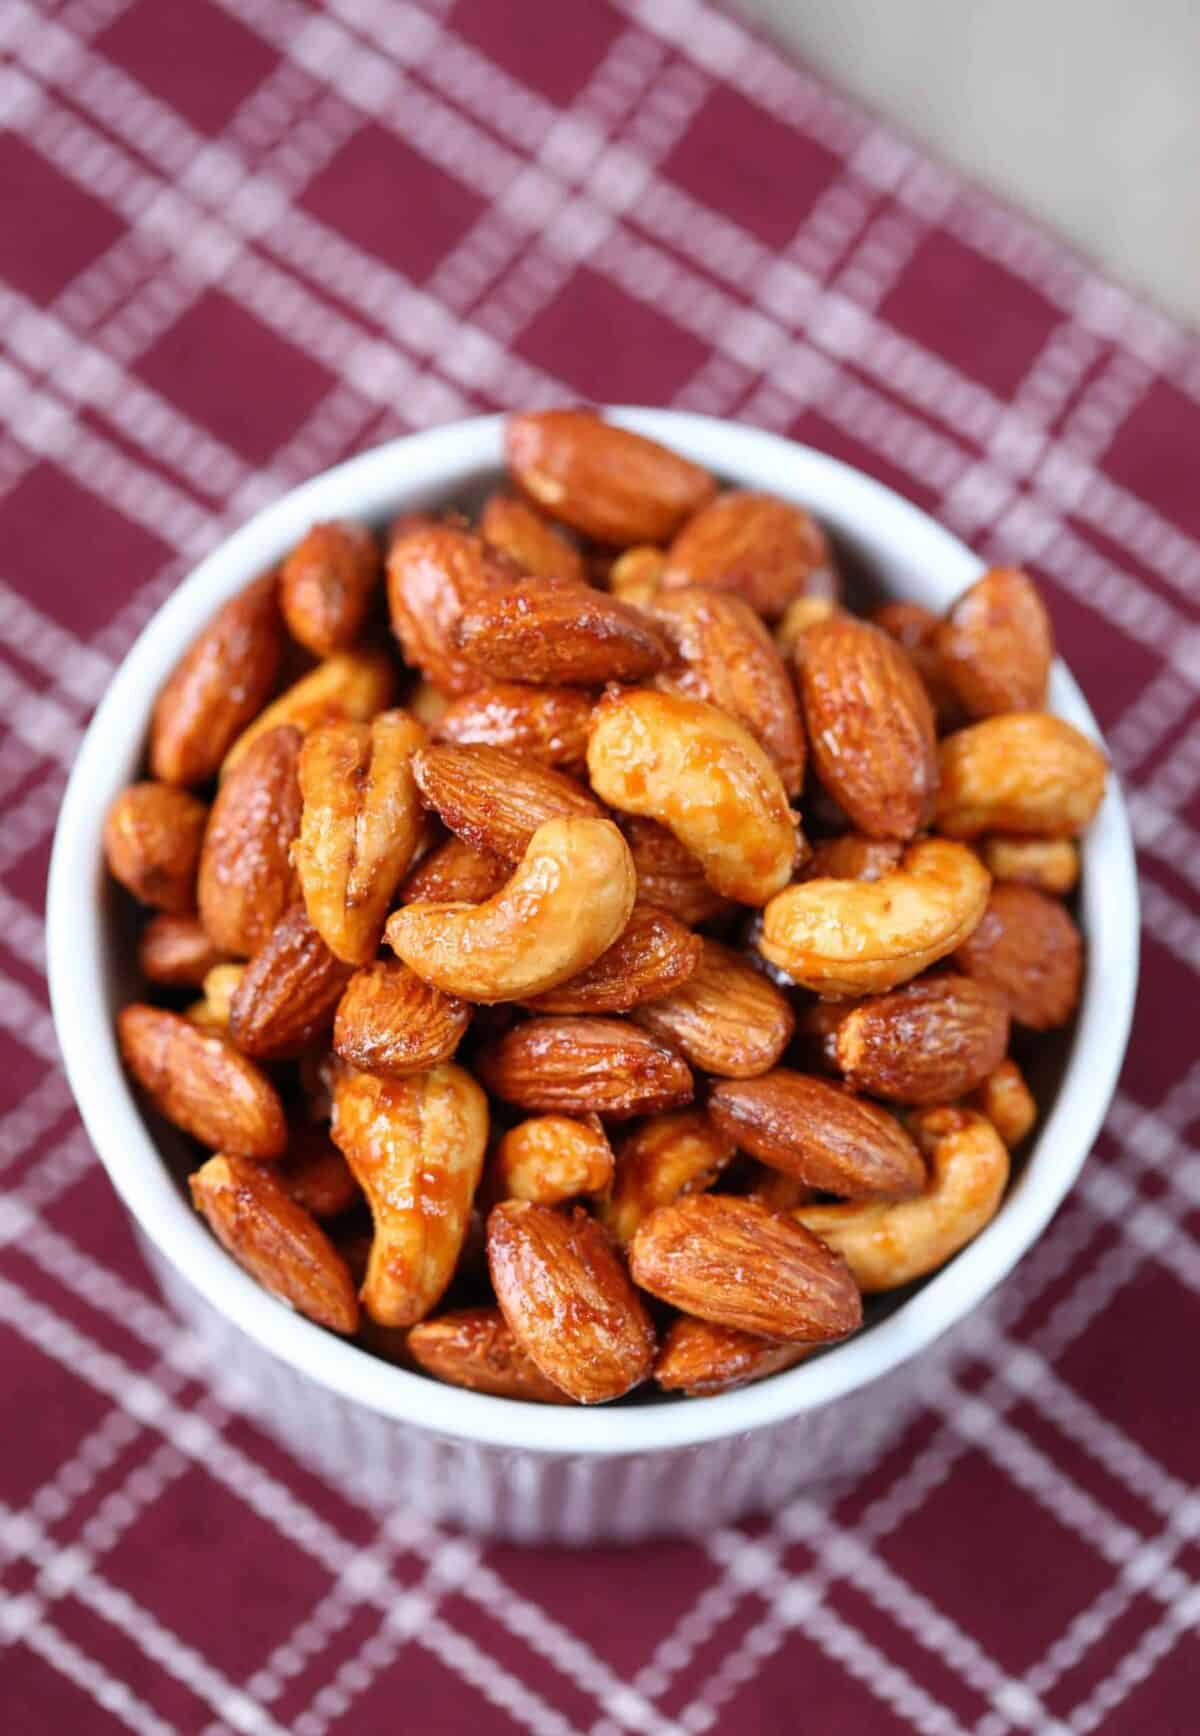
1025,771
246,879
454,873
699,1358
567,635
585,1066
220,684
287,994
661,1158
548,724
568,1301
475,1348
434,572
820,1133
315,1174
1027,947
733,1262
852,857
670,877
349,687
176,951
152,839
928,1042
275,1240
361,823
653,956
764,548
724,654
915,629
325,586
605,481
495,800
390,1022
551,1159
531,541
725,1019
871,727
199,1081
996,645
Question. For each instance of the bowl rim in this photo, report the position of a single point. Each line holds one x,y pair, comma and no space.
112,749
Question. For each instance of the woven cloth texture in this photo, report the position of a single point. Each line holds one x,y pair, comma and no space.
241,239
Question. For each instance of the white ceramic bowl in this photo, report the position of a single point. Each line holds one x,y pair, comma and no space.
525,1470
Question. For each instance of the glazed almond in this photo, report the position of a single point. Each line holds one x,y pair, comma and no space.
454,873
1028,950
246,880
568,1301
434,572
928,1042
662,1157
199,1081
547,724
670,877
699,1358
494,800
765,549
326,584
564,635
725,1019
176,951
391,1022
651,957
531,541
152,838
287,994
582,1066
475,1348
996,645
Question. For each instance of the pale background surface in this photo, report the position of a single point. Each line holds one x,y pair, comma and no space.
1086,113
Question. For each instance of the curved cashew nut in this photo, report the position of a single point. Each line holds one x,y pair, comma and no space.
552,1158
703,775
889,1245
568,900
416,1148
853,937
1024,771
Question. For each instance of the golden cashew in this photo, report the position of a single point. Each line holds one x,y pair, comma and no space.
353,685
1007,1101
416,1148
219,985
1050,864
666,1155
702,774
886,1245
1024,771
853,937
567,901
552,1158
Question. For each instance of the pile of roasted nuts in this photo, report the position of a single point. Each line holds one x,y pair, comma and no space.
610,977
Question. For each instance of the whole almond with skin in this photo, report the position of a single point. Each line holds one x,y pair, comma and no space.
454,873
733,1262
670,877
699,1358
360,827
659,1159
915,629
325,586
568,1301
766,549
652,957
609,483
996,645
871,727
725,655
176,951
929,1042
820,1133
152,838
222,682
349,687
246,879
288,992
584,1066
565,635
852,857
725,1019
434,572
392,1023
535,545
495,800
548,724
200,1082
1025,771
315,1174
475,1348
275,1240
1027,948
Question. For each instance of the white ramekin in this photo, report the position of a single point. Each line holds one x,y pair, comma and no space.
512,1469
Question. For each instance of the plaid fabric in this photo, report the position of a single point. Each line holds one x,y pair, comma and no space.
242,238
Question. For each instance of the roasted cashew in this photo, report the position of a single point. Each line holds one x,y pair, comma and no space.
853,937
416,1148
703,775
552,1158
1024,771
886,1245
567,901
